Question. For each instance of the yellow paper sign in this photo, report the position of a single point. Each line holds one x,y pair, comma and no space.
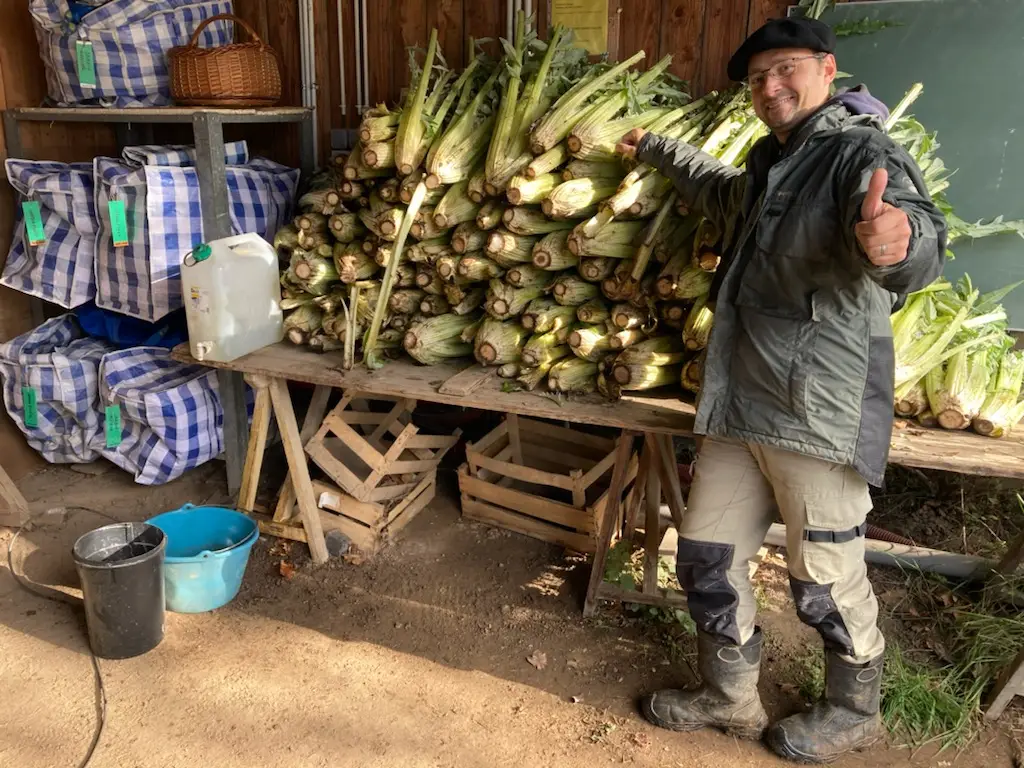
589,20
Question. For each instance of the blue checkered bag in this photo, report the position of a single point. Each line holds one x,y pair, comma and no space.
143,279
129,42
60,364
59,270
171,415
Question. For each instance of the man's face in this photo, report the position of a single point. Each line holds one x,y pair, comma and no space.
788,84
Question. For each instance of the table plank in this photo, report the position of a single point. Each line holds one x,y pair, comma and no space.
912,446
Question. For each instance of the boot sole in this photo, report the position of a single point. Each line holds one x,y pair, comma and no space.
750,733
781,747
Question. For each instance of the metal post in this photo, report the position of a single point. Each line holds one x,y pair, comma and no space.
12,136
307,158
213,193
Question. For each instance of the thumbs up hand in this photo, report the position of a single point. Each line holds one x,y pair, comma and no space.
884,230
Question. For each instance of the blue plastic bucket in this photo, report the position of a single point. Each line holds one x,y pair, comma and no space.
207,551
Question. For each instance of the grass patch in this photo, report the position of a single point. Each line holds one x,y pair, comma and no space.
811,674
922,705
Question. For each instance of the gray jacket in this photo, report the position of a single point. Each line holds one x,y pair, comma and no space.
801,354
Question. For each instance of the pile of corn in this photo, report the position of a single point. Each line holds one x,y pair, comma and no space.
493,207
489,215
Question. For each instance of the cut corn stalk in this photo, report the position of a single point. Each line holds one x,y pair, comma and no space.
627,338
913,403
596,270
578,198
311,222
468,237
380,155
508,371
411,141
573,374
311,240
567,111
469,332
498,343
543,348
544,315
531,221
438,339
610,170
616,240
389,222
352,190
461,147
628,317
697,329
590,342
692,376
524,191
433,305
477,187
642,376
429,251
448,267
346,227
379,127
508,249
388,191
504,302
472,300
491,214
355,169
1003,410
425,228
552,253
572,291
455,207
406,301
428,280
476,267
527,276
314,274
548,162
286,239
531,378
352,264
593,312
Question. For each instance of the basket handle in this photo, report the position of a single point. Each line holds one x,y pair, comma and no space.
194,42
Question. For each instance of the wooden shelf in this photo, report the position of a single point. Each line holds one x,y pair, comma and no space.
912,446
158,114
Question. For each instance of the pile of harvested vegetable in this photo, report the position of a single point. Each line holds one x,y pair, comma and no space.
489,215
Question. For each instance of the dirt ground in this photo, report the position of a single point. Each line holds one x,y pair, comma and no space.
461,645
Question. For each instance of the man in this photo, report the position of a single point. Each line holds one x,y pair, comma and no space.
826,230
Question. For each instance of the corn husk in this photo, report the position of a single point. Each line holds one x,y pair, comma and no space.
498,343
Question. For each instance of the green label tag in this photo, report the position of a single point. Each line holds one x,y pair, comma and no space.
86,64
113,425
118,223
28,399
33,222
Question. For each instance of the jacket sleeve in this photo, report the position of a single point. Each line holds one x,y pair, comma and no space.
705,184
908,192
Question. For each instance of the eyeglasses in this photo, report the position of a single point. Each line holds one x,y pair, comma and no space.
780,71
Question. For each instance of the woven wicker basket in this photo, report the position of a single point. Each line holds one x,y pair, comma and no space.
235,75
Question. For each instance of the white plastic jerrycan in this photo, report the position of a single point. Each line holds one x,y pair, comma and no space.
232,294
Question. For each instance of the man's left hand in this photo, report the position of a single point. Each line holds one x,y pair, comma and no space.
884,230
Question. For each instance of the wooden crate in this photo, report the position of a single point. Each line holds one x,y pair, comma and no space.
376,456
541,480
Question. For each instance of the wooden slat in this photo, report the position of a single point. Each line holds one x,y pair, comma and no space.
616,10
254,453
528,526
725,27
392,417
491,438
665,459
418,504
485,19
527,504
513,438
598,471
446,16
608,518
388,492
560,458
525,474
315,412
380,48
411,467
431,441
566,435
300,472
652,529
335,469
281,530
632,468
409,30
325,66
348,23
414,494
663,597
682,35
17,511
332,87
640,31
355,442
336,500
763,10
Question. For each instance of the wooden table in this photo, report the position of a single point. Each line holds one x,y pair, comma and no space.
656,417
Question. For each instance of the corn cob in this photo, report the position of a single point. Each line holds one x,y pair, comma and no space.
438,339
531,221
527,276
543,348
547,162
468,237
698,325
476,267
551,253
573,374
490,215
504,302
571,291
498,343
593,312
590,342
524,191
543,315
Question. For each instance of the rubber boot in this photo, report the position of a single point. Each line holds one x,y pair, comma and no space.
846,720
727,698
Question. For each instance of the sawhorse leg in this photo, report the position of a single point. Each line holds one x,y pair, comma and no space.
662,481
16,513
272,394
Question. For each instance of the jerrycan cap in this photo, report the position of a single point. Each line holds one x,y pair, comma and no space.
200,253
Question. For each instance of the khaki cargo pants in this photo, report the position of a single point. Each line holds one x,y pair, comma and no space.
737,489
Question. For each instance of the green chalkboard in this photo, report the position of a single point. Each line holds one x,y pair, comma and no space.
970,56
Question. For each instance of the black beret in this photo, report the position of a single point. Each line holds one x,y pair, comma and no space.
782,33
